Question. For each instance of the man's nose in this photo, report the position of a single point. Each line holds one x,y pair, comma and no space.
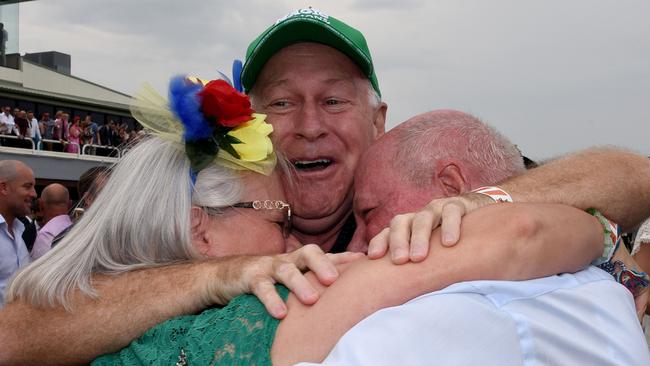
311,122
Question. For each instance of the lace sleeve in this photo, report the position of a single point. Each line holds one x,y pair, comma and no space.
241,333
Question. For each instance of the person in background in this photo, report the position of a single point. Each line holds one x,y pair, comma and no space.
7,124
115,135
16,195
55,204
4,36
90,134
48,126
65,132
23,128
91,182
57,131
35,130
104,133
74,136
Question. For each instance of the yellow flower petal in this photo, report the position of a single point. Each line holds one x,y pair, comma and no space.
255,144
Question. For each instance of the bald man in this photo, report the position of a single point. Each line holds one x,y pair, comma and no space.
582,318
16,195
55,204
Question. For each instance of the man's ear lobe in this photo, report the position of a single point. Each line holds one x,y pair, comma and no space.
452,180
379,121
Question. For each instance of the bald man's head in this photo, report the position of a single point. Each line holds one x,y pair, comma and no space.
55,201
16,189
437,154
9,169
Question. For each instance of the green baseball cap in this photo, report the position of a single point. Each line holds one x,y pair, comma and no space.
307,25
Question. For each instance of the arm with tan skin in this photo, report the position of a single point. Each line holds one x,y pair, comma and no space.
133,302
496,243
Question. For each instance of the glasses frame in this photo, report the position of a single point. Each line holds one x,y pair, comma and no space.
267,205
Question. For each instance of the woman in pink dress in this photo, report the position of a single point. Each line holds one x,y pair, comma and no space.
74,135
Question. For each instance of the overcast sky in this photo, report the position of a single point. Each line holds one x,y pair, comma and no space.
553,75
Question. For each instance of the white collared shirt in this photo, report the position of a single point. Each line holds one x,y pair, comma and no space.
13,252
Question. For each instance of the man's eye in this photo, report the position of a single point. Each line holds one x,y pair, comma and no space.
280,104
333,102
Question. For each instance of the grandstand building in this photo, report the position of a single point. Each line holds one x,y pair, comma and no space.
43,83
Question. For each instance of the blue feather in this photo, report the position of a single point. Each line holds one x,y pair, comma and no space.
186,105
224,77
236,75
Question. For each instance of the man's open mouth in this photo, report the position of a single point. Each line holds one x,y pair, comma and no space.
309,165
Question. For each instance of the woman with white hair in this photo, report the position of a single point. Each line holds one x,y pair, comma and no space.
162,205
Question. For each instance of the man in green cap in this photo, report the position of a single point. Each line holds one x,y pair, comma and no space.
314,78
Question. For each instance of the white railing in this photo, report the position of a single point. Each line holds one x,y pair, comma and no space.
18,138
86,150
117,151
63,143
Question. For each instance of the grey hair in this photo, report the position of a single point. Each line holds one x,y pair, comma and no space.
456,136
140,219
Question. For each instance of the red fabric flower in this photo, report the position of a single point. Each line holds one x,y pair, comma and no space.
225,104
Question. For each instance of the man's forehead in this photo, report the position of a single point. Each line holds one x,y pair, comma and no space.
324,62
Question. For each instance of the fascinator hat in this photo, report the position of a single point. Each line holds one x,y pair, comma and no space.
211,121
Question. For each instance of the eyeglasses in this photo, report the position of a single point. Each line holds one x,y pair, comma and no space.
266,205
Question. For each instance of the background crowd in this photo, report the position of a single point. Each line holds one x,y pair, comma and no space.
62,132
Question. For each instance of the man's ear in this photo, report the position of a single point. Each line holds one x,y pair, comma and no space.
199,222
4,188
379,120
452,180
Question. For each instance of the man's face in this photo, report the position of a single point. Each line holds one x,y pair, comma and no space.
19,193
381,191
318,103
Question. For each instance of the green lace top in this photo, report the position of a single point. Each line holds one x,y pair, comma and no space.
241,333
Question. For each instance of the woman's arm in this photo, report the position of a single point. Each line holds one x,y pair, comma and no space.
497,242
132,302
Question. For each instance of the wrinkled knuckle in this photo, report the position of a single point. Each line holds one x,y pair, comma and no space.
285,269
258,283
422,216
261,264
398,219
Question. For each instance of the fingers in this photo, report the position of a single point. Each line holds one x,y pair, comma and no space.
288,274
312,257
451,215
399,238
345,257
421,235
378,245
265,292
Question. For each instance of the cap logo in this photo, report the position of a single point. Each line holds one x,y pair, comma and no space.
306,13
